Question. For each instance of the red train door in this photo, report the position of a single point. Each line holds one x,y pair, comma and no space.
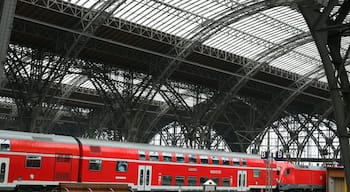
63,166
144,178
4,170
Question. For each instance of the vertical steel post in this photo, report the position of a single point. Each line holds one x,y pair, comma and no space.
7,13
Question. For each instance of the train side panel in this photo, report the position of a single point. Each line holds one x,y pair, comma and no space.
38,161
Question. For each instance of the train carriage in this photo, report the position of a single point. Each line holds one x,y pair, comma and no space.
30,160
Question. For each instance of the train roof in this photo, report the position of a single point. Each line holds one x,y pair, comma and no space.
169,149
6,134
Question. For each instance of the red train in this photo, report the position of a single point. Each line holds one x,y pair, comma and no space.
30,160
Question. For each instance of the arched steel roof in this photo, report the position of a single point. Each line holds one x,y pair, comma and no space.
248,28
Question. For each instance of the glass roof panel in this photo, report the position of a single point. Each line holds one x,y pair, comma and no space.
250,36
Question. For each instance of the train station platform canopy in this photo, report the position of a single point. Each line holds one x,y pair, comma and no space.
274,32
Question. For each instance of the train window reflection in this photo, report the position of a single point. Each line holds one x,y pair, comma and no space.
95,165
192,181
153,156
179,181
180,158
202,180
122,166
204,159
225,182
244,163
192,158
166,180
216,180
33,161
287,172
235,162
256,173
167,157
215,160
225,161
4,145
142,155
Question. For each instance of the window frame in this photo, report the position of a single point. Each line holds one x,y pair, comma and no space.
190,180
225,160
256,173
167,179
204,157
99,161
192,157
215,160
142,155
178,156
154,156
225,181
33,158
5,145
201,181
117,163
236,162
177,178
167,155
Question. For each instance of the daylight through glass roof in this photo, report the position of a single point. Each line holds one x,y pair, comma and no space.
248,28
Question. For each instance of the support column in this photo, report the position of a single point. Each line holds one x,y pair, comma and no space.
327,30
7,13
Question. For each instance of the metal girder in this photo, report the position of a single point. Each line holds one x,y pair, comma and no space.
7,13
252,68
270,70
116,23
184,48
310,132
328,43
32,72
90,22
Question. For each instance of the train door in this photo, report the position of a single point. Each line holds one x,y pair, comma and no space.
63,166
144,178
242,181
4,170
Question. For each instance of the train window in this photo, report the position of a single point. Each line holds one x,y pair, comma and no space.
192,158
122,166
235,162
153,156
95,165
225,182
225,161
167,157
4,145
33,161
166,180
204,159
287,172
192,181
244,163
216,180
179,181
202,180
215,160
142,155
180,158
278,170
256,173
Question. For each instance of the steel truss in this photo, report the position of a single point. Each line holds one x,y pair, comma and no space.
326,23
302,136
